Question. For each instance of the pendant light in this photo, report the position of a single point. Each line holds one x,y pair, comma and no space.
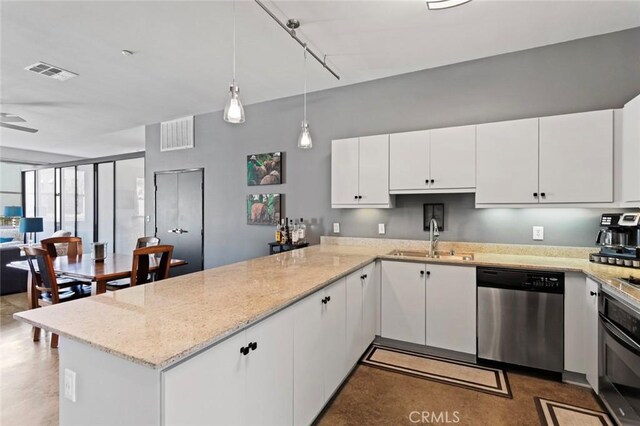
304,140
233,111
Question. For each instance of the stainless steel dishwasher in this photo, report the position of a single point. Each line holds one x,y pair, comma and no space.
521,317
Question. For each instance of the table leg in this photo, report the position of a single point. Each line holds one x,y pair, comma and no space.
32,299
100,287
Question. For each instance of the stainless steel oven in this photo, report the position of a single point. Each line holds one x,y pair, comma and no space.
619,358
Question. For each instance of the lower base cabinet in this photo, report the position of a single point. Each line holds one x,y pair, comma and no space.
591,333
362,312
245,375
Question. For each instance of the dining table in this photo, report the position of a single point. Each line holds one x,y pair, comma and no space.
83,267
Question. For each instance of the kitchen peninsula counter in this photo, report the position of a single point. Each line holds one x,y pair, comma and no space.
159,324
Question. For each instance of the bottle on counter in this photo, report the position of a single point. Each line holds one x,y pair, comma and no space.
287,232
278,234
302,232
295,236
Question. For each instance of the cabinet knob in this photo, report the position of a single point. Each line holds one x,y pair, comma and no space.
421,273
426,181
355,197
328,298
542,194
593,293
428,273
365,275
535,195
244,350
432,180
253,346
324,301
359,197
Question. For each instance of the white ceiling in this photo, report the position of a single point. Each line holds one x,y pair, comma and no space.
182,61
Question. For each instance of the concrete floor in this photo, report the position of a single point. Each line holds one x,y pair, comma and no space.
29,389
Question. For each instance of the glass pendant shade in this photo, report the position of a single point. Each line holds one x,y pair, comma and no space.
233,111
304,140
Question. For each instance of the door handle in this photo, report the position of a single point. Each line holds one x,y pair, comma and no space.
181,231
173,231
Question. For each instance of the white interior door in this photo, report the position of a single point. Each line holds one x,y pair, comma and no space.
270,371
344,171
308,359
507,162
354,290
451,308
373,181
210,384
333,343
409,160
453,157
403,301
576,158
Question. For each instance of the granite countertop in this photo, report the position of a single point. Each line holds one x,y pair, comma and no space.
159,324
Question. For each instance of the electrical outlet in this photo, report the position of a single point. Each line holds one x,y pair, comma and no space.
538,233
70,385
381,230
336,227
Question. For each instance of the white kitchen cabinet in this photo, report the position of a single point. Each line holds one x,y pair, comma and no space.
409,161
319,350
575,305
576,158
631,152
453,158
403,301
361,314
507,162
451,307
225,383
344,171
269,373
370,304
591,333
439,160
360,172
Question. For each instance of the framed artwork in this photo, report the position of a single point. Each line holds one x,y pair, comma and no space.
263,209
264,169
433,211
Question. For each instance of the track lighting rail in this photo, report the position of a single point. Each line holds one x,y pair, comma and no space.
293,35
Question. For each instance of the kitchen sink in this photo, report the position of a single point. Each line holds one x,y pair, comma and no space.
439,254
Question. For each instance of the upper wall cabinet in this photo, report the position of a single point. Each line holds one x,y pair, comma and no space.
360,172
507,162
433,161
631,152
565,159
576,158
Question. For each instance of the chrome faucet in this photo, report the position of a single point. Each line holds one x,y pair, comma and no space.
433,236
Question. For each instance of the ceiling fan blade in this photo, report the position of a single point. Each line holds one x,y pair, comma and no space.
11,119
23,129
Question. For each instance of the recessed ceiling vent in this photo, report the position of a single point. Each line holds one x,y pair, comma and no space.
176,134
51,71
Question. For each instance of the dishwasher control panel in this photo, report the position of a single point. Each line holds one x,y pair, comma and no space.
544,282
523,280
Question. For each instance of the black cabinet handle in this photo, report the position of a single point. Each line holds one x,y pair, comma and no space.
428,273
359,197
253,346
324,301
432,180
426,181
328,298
355,197
365,275
244,350
542,194
593,293
535,194
421,273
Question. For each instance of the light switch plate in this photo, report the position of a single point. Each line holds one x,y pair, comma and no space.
381,229
336,227
70,385
538,233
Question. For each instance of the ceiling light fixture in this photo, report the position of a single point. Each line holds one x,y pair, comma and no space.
233,111
445,4
304,140
126,52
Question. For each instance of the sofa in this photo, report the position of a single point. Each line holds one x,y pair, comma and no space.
11,280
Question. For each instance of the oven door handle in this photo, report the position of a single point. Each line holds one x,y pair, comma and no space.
620,336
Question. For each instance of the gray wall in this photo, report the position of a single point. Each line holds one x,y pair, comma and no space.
587,74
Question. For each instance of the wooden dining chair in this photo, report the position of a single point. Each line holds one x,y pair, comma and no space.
147,242
73,245
45,285
140,273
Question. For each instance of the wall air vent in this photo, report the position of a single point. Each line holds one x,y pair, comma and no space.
51,71
176,134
